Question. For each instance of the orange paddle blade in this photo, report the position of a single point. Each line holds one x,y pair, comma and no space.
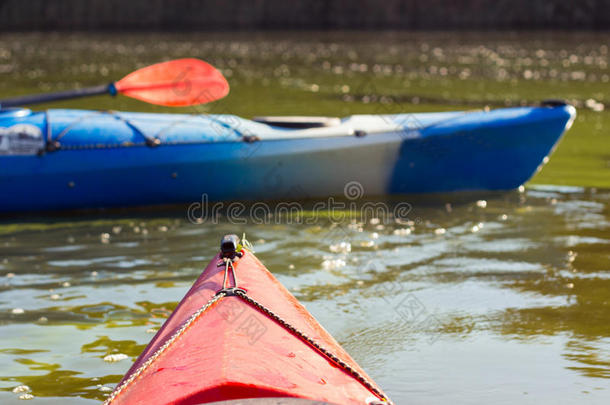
177,83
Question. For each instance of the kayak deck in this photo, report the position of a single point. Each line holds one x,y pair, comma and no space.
221,346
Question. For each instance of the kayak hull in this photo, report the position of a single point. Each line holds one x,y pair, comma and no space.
232,350
497,150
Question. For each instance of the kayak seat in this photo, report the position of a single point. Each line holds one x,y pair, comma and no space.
299,122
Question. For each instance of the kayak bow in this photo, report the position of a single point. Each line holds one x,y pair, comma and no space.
239,334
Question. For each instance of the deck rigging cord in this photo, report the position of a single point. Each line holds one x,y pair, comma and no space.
231,253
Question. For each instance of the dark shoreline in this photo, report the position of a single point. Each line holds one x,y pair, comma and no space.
239,15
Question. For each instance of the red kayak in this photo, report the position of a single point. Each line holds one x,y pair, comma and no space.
238,334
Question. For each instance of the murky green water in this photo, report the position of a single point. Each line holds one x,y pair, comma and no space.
507,301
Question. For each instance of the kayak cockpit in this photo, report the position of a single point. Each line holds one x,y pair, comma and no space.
299,122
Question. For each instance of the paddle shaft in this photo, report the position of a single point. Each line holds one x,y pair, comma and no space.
61,95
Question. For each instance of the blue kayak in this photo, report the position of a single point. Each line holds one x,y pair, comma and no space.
70,159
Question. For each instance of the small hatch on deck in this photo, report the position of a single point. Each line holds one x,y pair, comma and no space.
299,122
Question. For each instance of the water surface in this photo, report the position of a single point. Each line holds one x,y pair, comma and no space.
503,301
